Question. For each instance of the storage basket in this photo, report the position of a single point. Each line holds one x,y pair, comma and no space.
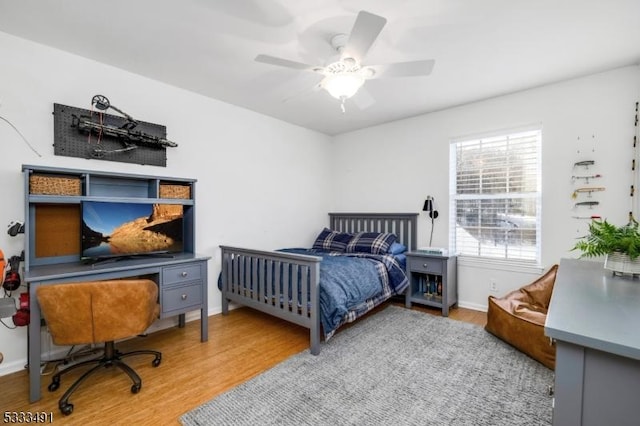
621,264
54,185
175,191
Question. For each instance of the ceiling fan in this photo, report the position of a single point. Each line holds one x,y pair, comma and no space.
344,77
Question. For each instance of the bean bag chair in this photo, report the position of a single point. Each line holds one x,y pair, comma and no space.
518,318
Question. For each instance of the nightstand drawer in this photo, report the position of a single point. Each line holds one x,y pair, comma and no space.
181,274
425,265
181,298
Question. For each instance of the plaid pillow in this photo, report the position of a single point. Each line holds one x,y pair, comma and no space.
371,242
332,240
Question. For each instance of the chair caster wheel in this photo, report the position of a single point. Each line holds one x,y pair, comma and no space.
53,386
135,388
66,409
156,362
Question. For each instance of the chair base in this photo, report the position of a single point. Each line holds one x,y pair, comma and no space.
111,358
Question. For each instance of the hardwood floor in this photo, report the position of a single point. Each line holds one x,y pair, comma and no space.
241,345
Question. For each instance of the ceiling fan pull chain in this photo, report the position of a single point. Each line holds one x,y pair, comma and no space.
342,105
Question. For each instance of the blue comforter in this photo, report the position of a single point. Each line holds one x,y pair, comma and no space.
352,284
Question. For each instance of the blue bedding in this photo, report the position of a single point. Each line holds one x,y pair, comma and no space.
352,284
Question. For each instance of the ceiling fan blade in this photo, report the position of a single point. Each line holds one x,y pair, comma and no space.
403,69
272,60
363,35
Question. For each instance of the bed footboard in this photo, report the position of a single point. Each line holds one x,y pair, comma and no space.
284,285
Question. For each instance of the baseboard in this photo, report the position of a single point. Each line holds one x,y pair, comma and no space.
474,306
12,367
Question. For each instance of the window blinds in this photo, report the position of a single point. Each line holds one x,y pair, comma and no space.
495,197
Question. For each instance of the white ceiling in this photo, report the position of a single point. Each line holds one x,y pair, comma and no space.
482,48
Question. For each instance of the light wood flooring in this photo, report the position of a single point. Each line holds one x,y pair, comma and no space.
241,345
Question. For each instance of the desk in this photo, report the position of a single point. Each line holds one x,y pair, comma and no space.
594,318
182,287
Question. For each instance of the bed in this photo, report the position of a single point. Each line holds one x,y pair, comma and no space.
297,284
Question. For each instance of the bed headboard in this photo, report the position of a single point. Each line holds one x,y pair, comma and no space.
404,225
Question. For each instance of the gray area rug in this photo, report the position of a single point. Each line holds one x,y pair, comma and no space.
395,367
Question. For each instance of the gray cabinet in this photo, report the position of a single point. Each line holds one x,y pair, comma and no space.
432,281
593,317
182,288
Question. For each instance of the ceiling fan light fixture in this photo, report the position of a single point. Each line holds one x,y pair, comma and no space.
349,62
343,85
344,72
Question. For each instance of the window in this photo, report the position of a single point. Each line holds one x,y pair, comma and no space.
495,196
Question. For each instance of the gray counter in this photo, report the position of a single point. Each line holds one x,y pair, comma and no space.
594,319
592,308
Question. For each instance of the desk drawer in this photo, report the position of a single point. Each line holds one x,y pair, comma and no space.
425,265
181,274
182,298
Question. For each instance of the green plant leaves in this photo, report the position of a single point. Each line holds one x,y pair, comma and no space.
605,238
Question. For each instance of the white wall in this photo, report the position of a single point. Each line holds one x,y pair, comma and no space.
261,182
242,160
411,159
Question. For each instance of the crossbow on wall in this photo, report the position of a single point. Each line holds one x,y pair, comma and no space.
126,133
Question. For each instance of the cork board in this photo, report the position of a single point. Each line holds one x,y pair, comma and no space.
57,230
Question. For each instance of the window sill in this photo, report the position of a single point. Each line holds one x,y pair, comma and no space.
502,265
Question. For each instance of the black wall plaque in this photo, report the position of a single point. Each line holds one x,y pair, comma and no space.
71,142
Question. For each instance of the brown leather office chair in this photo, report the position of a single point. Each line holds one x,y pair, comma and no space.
96,312
518,318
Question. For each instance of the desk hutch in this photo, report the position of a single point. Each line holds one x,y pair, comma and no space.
53,199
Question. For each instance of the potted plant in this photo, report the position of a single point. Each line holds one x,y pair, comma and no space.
620,245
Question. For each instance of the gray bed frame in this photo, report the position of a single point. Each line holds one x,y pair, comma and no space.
242,284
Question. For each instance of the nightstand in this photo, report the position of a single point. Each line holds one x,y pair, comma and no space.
432,281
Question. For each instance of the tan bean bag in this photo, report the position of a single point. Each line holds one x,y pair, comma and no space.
518,318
